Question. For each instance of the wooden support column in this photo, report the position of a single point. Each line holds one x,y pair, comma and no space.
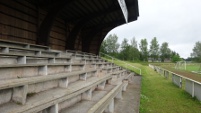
70,43
46,25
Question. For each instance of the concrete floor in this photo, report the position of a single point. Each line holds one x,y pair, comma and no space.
131,98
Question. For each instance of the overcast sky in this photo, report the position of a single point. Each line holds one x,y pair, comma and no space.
177,22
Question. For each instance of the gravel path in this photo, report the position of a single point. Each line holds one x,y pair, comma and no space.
131,98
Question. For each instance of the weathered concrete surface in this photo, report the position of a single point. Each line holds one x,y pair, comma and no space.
197,90
131,98
84,105
5,95
189,87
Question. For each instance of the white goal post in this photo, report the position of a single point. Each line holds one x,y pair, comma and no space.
180,65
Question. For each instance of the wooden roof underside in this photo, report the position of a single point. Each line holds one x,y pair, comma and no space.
92,19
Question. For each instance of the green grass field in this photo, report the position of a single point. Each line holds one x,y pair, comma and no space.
159,95
192,67
189,67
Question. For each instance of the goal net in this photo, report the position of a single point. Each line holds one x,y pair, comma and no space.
180,65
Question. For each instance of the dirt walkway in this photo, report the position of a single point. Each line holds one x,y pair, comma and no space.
131,98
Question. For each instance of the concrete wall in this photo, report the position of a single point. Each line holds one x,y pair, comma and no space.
197,91
193,89
176,80
188,86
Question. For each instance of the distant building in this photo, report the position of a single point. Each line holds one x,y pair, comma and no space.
154,60
167,60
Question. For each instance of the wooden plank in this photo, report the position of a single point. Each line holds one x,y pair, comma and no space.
16,14
13,5
19,39
18,22
57,47
58,36
27,4
57,42
58,30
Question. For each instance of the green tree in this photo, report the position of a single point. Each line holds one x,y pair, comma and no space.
143,49
134,54
175,57
133,50
103,47
165,51
197,52
129,52
110,45
124,43
124,52
154,49
134,43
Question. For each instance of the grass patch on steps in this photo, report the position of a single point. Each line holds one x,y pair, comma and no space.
159,95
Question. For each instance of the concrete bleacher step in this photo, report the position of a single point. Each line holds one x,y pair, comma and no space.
16,71
44,55
36,79
22,88
22,45
75,85
4,84
28,51
79,54
47,98
84,105
107,102
111,68
23,59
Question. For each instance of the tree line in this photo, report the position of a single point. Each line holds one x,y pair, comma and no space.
196,54
130,52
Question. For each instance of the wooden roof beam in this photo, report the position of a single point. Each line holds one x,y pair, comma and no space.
45,27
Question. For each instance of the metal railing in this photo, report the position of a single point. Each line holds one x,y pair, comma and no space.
113,58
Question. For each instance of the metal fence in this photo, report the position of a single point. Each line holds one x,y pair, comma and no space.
191,86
